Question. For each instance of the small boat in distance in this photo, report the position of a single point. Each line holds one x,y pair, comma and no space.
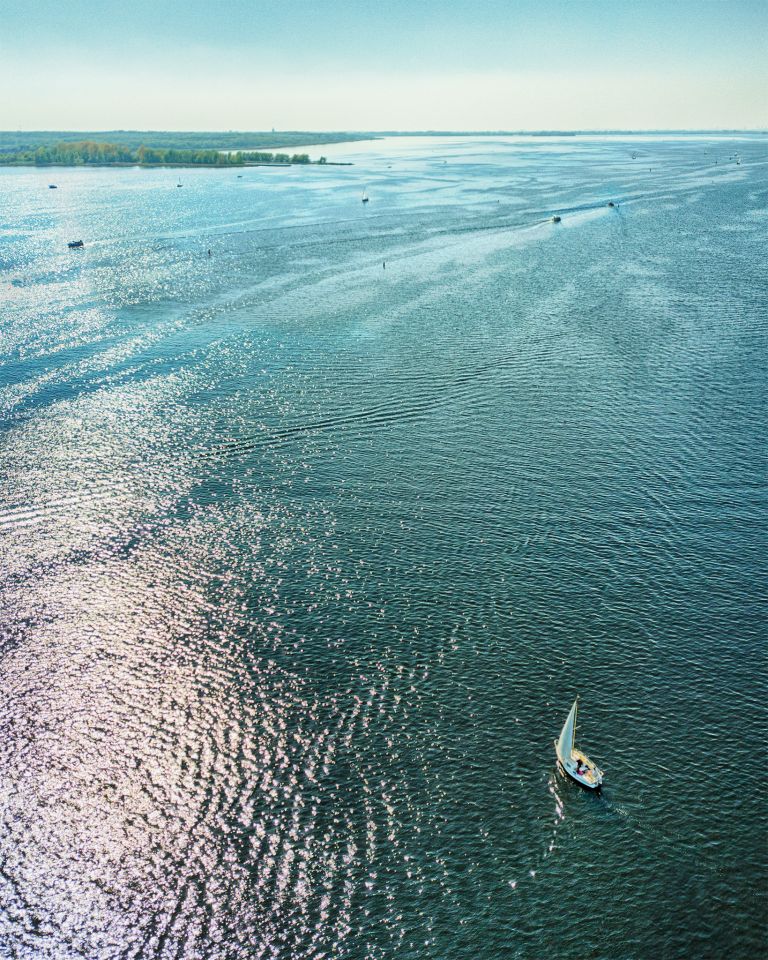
75,243
576,764
365,197
53,186
556,219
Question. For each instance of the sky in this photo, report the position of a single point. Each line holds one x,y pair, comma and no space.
384,65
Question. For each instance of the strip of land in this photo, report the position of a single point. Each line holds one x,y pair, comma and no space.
92,153
151,148
18,141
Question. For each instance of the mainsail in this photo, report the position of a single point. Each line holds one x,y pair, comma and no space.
567,734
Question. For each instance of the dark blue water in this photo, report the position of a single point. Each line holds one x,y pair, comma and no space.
304,557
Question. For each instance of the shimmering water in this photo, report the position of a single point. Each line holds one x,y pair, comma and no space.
305,557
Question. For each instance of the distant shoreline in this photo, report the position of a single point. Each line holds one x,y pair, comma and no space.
233,141
178,166
230,141
219,149
93,153
554,133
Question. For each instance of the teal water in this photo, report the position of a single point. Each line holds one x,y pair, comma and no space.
304,557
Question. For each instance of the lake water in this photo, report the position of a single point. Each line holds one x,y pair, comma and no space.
308,546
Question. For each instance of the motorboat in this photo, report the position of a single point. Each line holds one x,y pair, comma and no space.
73,244
556,219
576,764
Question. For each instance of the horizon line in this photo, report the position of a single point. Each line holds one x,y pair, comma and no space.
403,132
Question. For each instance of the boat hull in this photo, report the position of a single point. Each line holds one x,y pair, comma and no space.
593,786
594,775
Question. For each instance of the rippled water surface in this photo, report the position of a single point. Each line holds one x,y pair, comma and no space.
307,547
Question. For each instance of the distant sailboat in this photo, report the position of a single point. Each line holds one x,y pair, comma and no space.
575,763
365,197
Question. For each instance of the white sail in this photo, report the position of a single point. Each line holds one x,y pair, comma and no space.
567,734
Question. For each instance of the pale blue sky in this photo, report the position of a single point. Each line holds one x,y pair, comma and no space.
319,64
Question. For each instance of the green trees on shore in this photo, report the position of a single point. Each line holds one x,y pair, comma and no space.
84,152
16,141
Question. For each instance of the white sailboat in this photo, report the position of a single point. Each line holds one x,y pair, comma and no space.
575,763
365,197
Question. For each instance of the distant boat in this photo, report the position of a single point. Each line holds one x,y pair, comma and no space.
576,764
179,184
556,219
75,243
365,197
611,203
52,186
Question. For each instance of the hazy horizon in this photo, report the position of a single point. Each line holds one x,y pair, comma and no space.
489,65
608,131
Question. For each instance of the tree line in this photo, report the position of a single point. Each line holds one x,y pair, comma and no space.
16,141
86,152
